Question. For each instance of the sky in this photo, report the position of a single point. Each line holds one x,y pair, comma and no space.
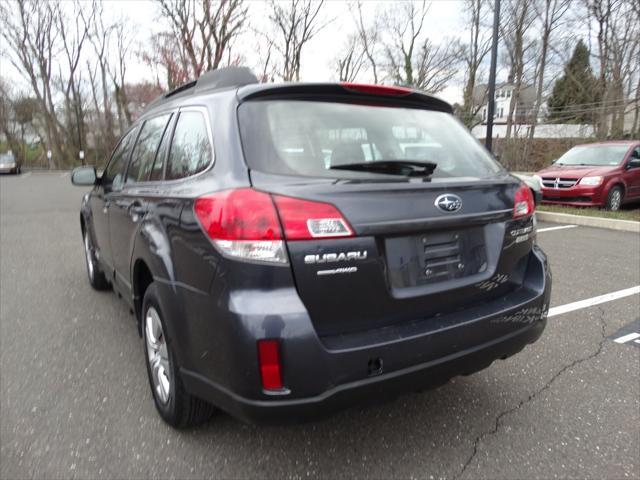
445,19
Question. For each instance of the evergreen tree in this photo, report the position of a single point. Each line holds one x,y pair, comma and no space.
574,94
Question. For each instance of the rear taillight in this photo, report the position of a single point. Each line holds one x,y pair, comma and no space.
242,223
523,204
269,363
305,220
245,223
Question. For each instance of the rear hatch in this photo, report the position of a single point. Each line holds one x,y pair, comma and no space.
416,245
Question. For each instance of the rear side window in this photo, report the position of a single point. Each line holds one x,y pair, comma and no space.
113,177
191,150
308,138
144,153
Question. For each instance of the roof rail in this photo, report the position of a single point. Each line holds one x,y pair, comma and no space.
225,77
212,80
181,88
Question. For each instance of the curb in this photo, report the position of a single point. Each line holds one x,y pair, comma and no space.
597,222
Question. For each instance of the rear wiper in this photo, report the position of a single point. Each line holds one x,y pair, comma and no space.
405,168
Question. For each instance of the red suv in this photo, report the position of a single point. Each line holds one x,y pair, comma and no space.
594,175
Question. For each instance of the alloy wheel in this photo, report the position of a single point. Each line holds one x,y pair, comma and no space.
157,355
616,198
89,256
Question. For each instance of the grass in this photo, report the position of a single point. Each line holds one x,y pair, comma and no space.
627,212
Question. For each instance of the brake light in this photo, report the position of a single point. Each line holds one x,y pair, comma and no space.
523,204
242,223
269,362
377,89
306,220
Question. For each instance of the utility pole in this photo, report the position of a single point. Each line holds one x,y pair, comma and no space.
492,76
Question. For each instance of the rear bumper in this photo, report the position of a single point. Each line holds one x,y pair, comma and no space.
578,195
366,391
323,375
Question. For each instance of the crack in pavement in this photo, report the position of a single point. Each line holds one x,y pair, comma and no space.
531,397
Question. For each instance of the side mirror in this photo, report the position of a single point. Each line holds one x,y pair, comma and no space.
554,161
84,176
634,163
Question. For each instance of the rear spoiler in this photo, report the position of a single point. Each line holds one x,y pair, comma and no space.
357,93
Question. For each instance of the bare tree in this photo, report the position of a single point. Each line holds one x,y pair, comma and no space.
519,19
267,66
118,72
164,58
412,59
625,55
618,40
550,13
601,12
74,31
369,38
100,38
473,55
7,118
350,63
295,23
30,31
204,30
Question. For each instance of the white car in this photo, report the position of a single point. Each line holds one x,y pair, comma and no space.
534,182
8,163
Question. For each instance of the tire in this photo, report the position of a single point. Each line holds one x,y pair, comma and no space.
614,199
97,279
174,404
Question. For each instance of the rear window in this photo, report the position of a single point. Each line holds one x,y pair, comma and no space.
307,138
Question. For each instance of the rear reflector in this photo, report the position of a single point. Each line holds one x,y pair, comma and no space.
269,361
377,89
523,204
306,220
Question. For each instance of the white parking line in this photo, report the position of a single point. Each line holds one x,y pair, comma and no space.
627,338
589,302
549,229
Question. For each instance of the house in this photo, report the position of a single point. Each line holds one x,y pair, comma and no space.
504,93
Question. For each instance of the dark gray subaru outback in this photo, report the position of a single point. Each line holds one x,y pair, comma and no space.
293,249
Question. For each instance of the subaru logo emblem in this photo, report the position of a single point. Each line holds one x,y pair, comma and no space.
449,202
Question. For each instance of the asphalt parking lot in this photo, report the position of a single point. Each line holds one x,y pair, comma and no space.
75,400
